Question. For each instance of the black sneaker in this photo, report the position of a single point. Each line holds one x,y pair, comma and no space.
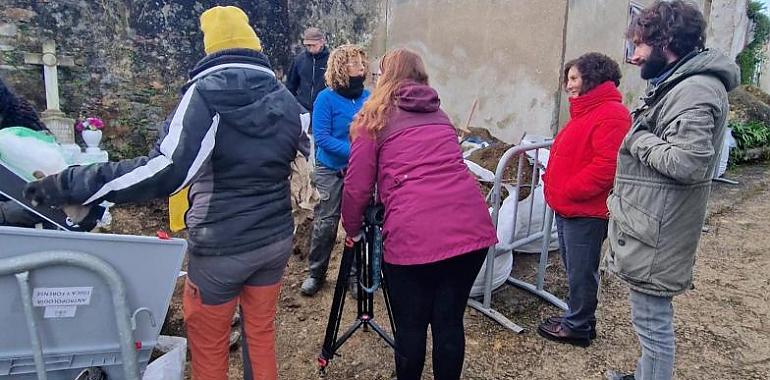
613,375
311,286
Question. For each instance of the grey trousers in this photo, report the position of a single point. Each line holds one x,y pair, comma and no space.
326,219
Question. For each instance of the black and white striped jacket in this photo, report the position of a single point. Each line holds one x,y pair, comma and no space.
231,139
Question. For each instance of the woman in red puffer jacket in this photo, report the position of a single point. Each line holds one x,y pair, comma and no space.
580,173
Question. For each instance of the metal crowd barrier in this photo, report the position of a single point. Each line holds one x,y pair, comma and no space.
523,152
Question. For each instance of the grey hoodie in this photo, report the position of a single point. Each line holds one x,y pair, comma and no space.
663,177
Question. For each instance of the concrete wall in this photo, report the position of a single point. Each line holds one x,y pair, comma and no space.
726,16
584,36
764,74
506,53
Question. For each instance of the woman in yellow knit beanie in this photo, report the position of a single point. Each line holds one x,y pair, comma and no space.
239,226
227,28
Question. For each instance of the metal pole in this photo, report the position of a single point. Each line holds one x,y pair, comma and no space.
548,222
34,336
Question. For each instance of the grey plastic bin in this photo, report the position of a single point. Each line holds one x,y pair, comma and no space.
80,328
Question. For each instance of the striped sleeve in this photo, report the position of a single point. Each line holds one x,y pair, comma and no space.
174,162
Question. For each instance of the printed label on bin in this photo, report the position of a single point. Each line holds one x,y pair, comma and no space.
76,296
56,312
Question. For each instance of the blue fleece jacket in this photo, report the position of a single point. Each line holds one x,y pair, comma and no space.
332,114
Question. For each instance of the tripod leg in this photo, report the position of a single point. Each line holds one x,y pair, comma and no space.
388,339
338,303
388,309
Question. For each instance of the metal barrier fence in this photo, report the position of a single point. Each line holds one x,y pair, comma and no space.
533,233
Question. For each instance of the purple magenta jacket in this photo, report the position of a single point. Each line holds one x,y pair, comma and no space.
434,209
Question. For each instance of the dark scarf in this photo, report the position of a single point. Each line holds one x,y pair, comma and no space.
354,89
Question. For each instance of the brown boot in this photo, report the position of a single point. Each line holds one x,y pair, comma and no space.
558,319
561,334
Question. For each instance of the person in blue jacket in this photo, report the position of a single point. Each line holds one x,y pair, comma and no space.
333,111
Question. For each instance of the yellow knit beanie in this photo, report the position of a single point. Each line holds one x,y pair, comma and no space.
227,28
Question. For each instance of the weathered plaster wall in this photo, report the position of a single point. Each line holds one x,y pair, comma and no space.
600,25
584,36
132,56
726,16
508,54
764,74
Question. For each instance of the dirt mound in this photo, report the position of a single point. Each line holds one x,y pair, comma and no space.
746,107
489,157
303,228
756,91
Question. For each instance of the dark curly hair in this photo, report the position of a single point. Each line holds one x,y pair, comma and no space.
676,25
595,69
17,112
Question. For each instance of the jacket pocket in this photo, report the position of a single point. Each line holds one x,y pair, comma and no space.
633,235
633,221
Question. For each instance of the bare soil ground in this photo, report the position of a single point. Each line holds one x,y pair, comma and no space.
722,326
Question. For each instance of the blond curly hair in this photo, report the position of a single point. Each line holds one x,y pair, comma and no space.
336,75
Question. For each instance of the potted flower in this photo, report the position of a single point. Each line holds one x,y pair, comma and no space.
91,130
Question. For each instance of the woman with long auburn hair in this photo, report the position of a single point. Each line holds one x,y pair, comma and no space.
437,229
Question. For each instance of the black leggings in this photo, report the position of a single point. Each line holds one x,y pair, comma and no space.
434,294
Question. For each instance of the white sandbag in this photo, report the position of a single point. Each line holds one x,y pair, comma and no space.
524,226
504,259
481,173
170,365
500,273
25,151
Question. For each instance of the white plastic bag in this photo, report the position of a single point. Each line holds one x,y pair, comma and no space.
169,366
500,273
728,143
25,151
524,226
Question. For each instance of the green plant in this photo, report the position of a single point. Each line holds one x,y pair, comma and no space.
754,54
752,134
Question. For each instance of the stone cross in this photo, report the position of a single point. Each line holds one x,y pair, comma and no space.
54,119
49,60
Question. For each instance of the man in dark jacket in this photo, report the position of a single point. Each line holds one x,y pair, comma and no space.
664,171
232,139
306,76
17,112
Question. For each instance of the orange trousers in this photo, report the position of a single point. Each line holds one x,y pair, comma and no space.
208,332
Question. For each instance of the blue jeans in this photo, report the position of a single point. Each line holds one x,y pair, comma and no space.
580,243
653,319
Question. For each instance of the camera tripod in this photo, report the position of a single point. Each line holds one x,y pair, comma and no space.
367,255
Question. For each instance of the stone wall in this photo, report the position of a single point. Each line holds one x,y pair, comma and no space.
133,56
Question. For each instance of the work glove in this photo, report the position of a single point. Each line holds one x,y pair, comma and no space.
44,192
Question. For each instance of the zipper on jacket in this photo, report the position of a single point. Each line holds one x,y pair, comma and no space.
312,84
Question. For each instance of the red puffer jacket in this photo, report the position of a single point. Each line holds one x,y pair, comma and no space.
581,167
